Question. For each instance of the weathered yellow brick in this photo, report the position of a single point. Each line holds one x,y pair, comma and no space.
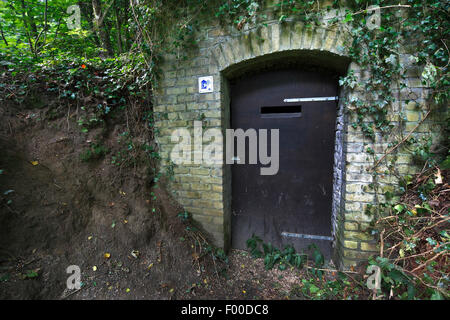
351,244
353,235
412,116
213,212
275,28
318,39
352,206
228,53
366,246
200,171
175,91
180,170
358,216
329,40
353,187
351,226
357,255
190,194
160,108
360,197
265,45
187,179
412,105
212,196
200,187
216,32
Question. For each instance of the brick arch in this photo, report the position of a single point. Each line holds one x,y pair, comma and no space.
279,38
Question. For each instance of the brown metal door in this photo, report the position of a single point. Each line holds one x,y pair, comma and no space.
293,206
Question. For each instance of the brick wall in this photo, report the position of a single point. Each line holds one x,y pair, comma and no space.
205,190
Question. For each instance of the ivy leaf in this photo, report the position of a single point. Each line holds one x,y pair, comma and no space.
348,18
313,289
436,296
399,208
398,276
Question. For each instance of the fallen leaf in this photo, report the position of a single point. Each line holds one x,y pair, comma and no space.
107,255
32,273
435,203
438,179
135,254
34,163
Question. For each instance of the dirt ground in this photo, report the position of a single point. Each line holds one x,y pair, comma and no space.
126,236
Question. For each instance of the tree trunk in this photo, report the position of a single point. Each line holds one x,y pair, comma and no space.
27,22
3,35
118,27
45,21
86,11
100,28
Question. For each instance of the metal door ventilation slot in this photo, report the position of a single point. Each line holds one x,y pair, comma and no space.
281,112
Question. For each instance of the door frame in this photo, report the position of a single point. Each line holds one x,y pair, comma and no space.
339,162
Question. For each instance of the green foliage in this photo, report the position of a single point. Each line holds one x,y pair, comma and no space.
275,257
216,253
414,268
170,173
31,274
393,278
340,288
314,285
238,12
184,216
95,152
253,245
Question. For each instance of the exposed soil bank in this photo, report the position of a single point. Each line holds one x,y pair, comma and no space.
57,210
